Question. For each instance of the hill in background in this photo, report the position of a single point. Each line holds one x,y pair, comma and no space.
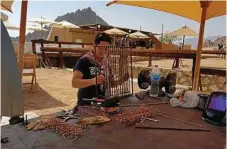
79,17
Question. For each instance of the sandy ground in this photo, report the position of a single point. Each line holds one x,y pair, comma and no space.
167,63
54,90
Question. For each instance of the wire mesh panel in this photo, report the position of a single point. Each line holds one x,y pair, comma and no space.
117,67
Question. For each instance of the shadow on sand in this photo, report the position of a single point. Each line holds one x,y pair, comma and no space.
40,99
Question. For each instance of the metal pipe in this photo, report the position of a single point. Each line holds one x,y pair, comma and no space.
172,128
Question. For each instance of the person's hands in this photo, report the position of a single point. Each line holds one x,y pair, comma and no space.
100,79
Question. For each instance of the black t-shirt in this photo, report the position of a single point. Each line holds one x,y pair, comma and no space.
89,69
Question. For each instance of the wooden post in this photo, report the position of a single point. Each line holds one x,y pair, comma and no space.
162,37
204,6
34,47
22,35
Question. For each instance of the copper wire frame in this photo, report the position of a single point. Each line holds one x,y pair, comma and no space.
119,60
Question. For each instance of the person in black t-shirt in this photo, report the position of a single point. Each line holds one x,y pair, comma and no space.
87,72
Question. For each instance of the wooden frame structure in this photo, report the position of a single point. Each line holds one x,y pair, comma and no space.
60,51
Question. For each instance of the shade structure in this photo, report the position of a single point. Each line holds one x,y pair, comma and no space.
184,31
184,8
35,28
7,5
9,26
4,17
138,35
65,24
42,21
196,10
115,31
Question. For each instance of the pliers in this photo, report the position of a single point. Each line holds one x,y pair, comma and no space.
67,117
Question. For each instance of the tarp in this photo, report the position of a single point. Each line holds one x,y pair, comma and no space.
11,86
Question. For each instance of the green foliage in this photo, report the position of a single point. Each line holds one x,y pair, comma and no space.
169,38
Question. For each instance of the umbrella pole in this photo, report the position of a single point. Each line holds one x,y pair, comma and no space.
22,35
204,5
41,30
183,43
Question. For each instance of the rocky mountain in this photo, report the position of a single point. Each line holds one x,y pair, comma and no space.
82,17
79,17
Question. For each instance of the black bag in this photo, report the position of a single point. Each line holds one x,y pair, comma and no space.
215,109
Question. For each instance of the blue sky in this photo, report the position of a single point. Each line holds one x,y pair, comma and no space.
116,15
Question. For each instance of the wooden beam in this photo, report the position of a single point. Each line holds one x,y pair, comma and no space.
204,6
22,34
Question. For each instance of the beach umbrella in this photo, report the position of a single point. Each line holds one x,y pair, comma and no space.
35,28
199,11
6,5
4,17
65,25
184,31
9,26
115,32
138,35
42,21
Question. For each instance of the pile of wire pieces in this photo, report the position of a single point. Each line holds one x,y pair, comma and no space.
137,115
66,130
90,111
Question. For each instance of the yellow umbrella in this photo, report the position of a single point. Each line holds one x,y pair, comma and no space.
115,31
199,11
6,5
138,35
66,25
184,31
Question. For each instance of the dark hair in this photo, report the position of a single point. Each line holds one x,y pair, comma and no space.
102,37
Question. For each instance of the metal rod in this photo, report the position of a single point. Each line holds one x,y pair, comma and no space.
144,104
183,121
153,120
131,71
172,128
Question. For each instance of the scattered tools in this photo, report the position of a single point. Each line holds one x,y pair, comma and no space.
153,120
110,105
93,120
146,118
4,140
172,128
142,104
183,121
67,117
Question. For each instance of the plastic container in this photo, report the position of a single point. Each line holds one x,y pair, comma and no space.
155,78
